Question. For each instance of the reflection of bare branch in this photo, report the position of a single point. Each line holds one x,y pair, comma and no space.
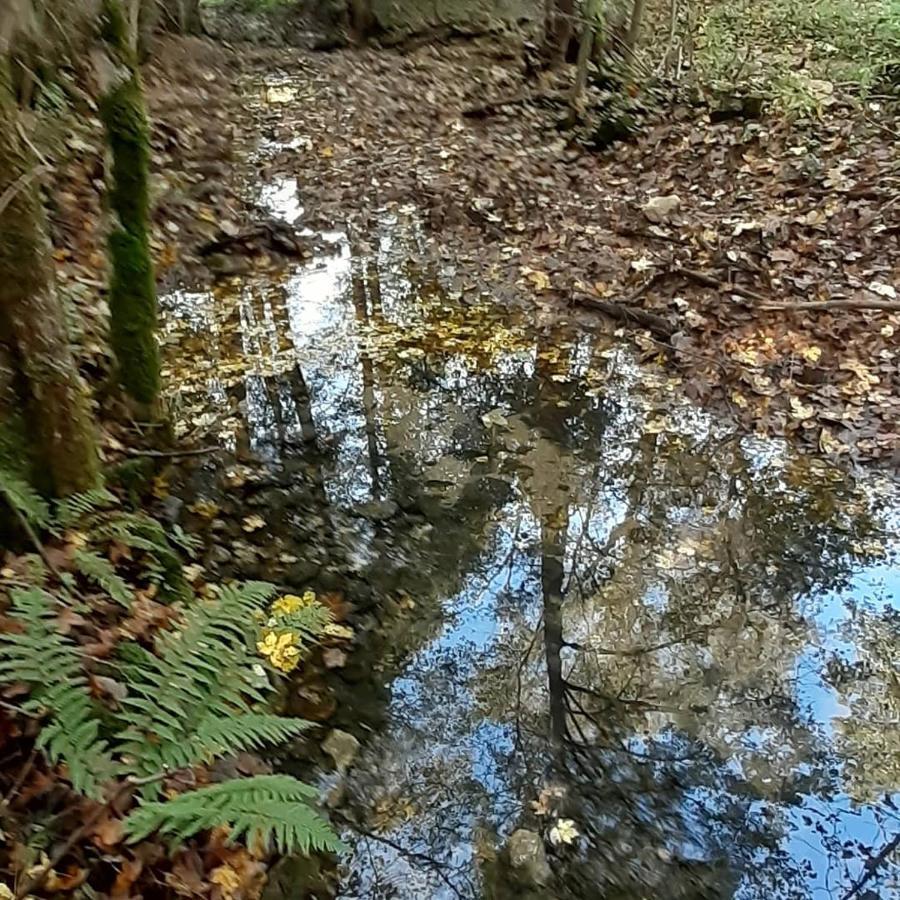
640,651
873,864
519,669
438,866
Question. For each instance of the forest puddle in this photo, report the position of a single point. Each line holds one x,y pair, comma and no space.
606,647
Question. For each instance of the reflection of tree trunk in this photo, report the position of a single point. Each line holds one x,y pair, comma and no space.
368,377
303,402
373,284
552,545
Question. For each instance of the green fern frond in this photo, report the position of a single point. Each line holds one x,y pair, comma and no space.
203,670
24,499
71,510
251,731
50,665
102,572
309,621
273,810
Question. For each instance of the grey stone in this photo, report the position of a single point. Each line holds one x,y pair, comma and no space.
342,747
378,510
660,210
528,856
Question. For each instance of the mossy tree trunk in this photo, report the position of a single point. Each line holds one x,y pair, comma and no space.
179,16
51,414
132,290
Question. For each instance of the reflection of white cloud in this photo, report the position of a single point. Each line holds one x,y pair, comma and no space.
282,198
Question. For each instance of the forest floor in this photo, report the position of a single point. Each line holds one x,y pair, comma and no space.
756,213
512,208
753,214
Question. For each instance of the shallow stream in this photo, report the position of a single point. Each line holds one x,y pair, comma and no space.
605,646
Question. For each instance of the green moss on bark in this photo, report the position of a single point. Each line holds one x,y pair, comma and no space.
41,393
132,291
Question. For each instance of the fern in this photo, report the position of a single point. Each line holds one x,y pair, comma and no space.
189,702
200,673
50,665
308,621
102,572
71,510
273,810
24,499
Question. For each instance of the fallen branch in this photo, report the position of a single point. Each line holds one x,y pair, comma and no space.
492,107
626,311
767,303
712,282
884,305
171,454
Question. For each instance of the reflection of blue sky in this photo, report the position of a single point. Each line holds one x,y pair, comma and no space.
435,697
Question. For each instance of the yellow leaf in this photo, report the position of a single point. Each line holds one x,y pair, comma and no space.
811,354
800,410
326,152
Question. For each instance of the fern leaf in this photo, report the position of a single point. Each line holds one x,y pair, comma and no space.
199,672
24,499
50,665
273,810
102,572
71,510
251,731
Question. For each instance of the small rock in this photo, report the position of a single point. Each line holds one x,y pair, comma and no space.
342,747
660,210
172,507
528,856
378,510
334,658
220,555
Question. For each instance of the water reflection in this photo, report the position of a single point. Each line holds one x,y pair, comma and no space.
591,602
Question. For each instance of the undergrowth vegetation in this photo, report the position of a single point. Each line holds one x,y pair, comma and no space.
119,721
799,53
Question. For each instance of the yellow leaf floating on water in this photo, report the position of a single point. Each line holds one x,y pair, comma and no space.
326,152
253,523
563,832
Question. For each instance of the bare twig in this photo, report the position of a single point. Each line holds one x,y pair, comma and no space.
171,454
20,184
884,305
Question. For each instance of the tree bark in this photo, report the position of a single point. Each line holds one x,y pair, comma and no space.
179,16
362,19
585,48
56,423
132,290
634,26
558,30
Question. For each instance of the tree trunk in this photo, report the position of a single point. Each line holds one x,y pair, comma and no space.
179,16
362,19
132,290
585,50
43,375
634,27
558,30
